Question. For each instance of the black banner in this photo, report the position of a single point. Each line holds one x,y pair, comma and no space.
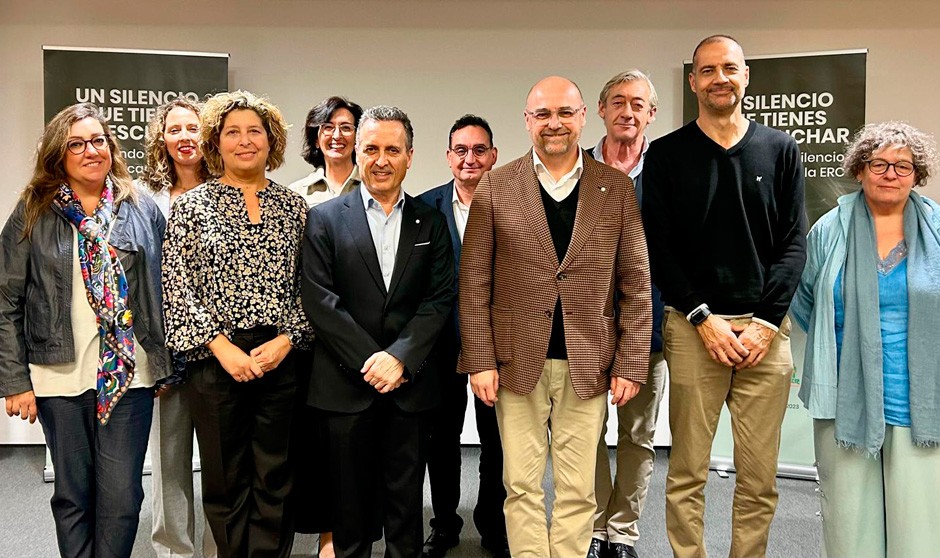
128,86
819,99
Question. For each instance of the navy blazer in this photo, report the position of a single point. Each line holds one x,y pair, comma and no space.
354,315
659,308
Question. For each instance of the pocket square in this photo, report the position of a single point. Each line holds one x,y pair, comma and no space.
422,244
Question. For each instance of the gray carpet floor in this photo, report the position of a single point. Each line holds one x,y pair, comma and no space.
27,530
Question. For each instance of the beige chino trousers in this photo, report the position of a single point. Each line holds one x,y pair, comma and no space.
757,400
550,419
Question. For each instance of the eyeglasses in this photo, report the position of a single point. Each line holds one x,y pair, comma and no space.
563,114
477,150
78,146
880,166
345,129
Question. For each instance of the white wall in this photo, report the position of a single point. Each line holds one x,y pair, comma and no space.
438,59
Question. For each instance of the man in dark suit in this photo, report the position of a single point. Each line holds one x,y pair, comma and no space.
470,153
378,274
554,311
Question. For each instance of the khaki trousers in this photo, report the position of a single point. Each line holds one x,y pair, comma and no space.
877,508
620,503
757,400
551,418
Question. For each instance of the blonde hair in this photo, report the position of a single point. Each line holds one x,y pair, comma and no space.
217,107
159,172
49,172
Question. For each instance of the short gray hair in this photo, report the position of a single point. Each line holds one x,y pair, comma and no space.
624,77
877,136
385,113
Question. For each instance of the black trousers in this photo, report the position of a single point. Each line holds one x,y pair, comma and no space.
311,499
444,463
377,460
244,432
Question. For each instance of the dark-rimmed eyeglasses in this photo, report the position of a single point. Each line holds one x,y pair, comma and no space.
78,146
477,150
880,166
345,129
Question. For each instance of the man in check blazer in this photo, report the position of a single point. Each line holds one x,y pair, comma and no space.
470,153
378,274
554,311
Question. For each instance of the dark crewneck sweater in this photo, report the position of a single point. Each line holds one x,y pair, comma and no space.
725,227
560,216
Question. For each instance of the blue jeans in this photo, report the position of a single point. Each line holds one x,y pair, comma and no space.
98,492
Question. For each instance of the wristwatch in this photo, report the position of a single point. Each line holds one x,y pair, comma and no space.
699,315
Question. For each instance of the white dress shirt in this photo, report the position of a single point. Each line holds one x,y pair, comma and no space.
461,214
561,188
385,229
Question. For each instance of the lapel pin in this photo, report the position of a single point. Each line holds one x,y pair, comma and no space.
603,189
417,221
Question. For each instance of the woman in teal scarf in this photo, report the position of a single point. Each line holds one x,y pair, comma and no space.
869,300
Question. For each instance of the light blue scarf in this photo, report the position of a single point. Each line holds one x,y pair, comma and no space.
860,421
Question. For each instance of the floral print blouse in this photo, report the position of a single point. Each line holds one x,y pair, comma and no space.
222,273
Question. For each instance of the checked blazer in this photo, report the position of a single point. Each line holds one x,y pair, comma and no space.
510,279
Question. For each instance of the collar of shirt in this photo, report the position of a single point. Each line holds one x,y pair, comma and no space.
558,189
598,154
371,203
316,182
461,213
456,201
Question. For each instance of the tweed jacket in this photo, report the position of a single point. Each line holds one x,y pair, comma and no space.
510,279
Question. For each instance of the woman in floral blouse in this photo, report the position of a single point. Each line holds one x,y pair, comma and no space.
232,305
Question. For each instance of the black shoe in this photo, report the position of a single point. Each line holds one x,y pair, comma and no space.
498,547
620,550
598,549
439,542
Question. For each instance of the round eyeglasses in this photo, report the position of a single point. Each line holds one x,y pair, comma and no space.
880,166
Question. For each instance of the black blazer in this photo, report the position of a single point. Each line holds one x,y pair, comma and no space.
354,316
442,199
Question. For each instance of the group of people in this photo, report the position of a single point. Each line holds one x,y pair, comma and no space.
319,338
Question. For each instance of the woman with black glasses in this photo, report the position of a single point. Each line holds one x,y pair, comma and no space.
869,300
81,327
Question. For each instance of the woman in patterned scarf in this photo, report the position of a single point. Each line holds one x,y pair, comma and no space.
232,289
82,343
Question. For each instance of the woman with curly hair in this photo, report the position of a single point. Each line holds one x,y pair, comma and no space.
869,300
81,327
174,167
232,304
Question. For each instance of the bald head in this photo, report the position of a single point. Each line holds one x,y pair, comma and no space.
553,85
730,42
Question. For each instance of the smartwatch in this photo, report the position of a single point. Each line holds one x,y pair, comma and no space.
699,315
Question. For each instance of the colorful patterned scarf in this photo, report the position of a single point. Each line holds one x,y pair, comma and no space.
106,288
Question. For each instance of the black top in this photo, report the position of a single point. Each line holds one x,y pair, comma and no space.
221,272
726,227
560,216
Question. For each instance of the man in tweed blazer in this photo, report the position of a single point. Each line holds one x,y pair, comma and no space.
554,311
